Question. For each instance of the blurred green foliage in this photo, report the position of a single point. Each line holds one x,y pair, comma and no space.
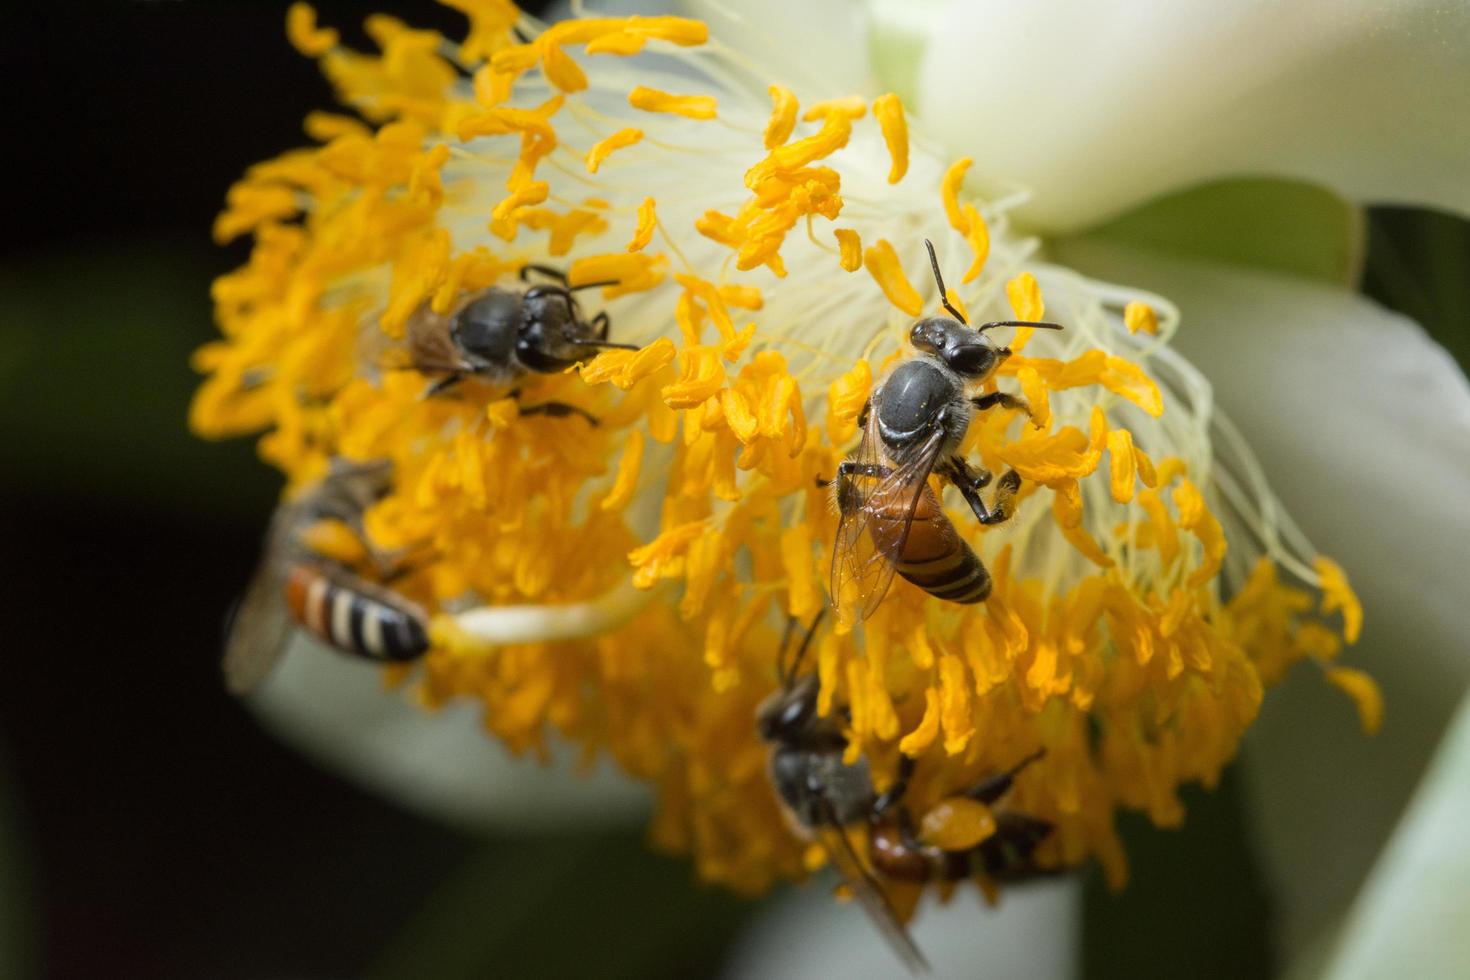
95,382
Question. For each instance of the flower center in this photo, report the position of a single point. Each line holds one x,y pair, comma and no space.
619,569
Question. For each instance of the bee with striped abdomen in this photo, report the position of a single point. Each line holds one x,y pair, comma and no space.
294,584
500,334
891,519
825,797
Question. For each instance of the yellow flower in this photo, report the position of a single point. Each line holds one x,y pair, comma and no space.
624,585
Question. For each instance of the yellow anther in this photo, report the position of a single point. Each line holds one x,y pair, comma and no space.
949,192
561,70
1140,316
629,272
1124,464
1338,595
304,34
1364,692
977,233
889,111
689,106
646,224
882,264
783,117
602,149
850,106
851,245
626,482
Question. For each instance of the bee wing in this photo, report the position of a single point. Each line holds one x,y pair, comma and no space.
426,346
259,627
869,893
258,631
863,562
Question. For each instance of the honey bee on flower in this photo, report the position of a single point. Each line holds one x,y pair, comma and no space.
761,247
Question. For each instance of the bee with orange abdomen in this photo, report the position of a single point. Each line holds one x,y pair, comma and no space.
891,519
824,796
1007,855
295,585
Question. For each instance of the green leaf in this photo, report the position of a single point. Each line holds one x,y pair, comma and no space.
1279,225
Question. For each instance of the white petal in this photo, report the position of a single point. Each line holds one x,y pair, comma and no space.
1034,933
1410,918
1101,106
443,764
1362,424
818,48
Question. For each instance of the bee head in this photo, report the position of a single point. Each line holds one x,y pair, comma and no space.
785,714
965,351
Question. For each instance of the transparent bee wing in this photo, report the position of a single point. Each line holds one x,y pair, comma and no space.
260,627
877,505
426,346
869,893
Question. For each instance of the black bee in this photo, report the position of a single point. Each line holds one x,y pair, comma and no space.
824,796
912,426
499,335
294,584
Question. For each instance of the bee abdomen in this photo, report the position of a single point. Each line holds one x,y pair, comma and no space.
939,562
353,621
902,860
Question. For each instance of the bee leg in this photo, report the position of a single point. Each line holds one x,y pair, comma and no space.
988,791
558,410
601,323
443,384
1004,501
899,787
545,270
1004,400
970,480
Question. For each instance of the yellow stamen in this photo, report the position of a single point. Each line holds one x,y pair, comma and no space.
882,264
783,117
627,479
1365,694
646,223
889,112
1337,595
689,106
1140,316
304,34
602,149
851,256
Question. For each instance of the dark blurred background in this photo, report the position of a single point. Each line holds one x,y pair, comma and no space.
148,826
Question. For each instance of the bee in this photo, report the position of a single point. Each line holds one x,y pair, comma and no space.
1007,855
824,796
295,586
890,518
498,335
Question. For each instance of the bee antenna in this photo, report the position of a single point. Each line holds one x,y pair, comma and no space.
806,641
1038,324
593,285
605,344
939,281
781,674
